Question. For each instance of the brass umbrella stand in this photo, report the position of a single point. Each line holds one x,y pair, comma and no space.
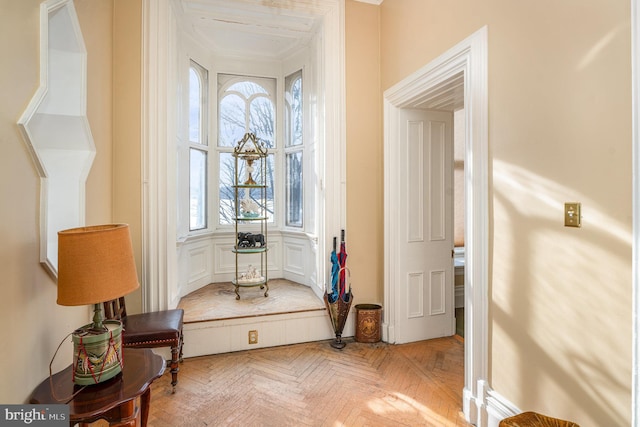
338,309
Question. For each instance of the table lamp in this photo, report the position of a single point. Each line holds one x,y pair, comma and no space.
96,264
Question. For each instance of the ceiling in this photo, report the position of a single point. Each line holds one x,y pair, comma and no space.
275,29
263,29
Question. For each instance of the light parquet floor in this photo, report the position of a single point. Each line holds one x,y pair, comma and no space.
312,384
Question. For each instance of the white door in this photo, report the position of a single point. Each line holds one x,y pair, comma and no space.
425,291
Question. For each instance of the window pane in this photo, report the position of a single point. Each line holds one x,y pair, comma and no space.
294,101
262,120
195,102
197,189
271,182
226,182
232,122
294,189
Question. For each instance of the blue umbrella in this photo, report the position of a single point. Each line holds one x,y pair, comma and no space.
335,274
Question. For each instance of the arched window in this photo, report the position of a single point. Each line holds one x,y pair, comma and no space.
246,104
198,146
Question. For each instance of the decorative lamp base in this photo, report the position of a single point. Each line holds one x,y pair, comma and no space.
97,357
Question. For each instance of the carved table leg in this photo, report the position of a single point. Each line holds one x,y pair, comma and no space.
145,399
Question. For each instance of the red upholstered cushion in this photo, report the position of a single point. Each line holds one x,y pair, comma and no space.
152,328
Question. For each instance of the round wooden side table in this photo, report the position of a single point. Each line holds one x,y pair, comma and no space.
113,400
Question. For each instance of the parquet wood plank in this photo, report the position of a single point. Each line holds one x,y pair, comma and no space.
312,384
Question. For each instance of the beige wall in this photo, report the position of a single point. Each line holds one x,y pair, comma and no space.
127,128
560,130
365,197
96,23
33,324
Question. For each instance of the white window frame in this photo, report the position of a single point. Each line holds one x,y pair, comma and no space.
203,144
289,148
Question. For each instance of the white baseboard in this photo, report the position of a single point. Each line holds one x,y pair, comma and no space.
498,408
488,408
469,407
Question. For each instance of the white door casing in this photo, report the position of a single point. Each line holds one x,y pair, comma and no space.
468,58
635,104
425,239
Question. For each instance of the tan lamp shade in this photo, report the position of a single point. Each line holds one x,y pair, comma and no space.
95,264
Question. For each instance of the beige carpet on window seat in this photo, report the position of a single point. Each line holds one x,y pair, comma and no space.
218,301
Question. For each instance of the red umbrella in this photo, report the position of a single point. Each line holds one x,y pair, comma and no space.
342,259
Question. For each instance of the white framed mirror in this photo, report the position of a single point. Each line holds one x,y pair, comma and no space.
55,127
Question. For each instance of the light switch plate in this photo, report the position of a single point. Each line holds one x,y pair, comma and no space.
572,215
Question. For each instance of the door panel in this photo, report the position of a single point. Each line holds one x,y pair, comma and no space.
425,245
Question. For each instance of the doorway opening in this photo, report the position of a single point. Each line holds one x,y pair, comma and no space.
461,71
458,213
